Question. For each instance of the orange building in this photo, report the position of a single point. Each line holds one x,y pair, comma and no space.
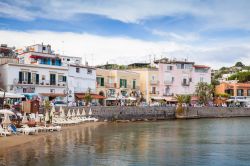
233,89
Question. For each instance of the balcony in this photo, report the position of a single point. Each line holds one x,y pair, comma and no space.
185,84
41,83
110,85
136,87
154,82
168,82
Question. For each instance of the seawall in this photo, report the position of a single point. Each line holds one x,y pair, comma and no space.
161,113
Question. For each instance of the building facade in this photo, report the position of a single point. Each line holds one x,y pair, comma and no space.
117,85
180,77
233,88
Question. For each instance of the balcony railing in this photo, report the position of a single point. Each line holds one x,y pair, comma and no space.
154,82
168,94
41,83
154,92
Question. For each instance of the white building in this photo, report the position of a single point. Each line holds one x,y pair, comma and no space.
81,79
43,80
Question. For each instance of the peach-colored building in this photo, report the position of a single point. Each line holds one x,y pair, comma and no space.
180,77
233,88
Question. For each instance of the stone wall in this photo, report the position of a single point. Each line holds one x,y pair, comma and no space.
215,112
128,113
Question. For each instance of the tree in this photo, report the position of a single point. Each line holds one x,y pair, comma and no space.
204,92
241,76
88,97
239,64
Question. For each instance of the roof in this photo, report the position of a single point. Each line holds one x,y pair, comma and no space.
168,61
82,66
201,66
94,96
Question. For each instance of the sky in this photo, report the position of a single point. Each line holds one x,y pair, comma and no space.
210,32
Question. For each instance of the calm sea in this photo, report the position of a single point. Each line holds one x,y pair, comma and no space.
178,142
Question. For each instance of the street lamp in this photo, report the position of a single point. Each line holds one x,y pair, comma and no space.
3,97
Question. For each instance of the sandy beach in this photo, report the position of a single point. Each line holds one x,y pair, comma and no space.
9,142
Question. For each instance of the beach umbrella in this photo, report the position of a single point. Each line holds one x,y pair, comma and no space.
62,113
83,112
53,110
6,111
78,112
69,113
6,120
24,120
90,112
37,118
73,113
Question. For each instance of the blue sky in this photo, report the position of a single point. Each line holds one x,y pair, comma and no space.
213,32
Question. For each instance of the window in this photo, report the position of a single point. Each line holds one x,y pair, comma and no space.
190,79
111,92
89,71
153,90
123,83
169,67
24,77
64,78
78,70
248,92
172,79
52,79
134,84
44,48
68,59
240,92
100,81
53,61
52,90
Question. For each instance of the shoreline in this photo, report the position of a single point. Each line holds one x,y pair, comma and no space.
9,142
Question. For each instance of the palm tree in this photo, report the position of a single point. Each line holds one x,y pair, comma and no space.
180,100
88,97
204,92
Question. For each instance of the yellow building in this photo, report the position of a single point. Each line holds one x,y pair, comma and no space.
118,86
148,83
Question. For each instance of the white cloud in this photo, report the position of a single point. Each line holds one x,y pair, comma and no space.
123,50
213,12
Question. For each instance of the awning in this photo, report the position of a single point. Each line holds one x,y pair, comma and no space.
158,98
111,99
53,94
170,99
131,98
10,95
94,96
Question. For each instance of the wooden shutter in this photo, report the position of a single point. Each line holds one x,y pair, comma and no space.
29,78
20,77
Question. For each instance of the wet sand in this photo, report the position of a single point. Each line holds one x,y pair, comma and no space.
15,140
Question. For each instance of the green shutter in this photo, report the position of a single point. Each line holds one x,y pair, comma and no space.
20,77
37,78
120,82
29,78
102,81
125,83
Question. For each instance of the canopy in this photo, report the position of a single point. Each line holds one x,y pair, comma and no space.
11,95
5,111
83,112
131,98
93,96
90,112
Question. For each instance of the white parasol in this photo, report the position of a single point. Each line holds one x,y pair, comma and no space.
6,111
69,113
78,112
73,113
6,119
90,112
62,113
24,120
53,110
83,112
37,118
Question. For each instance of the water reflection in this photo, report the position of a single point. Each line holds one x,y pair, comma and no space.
192,142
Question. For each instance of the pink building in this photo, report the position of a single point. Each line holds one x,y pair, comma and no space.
180,77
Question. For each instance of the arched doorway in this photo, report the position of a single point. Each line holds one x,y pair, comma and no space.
101,101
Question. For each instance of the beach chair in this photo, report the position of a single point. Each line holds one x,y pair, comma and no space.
12,128
3,132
